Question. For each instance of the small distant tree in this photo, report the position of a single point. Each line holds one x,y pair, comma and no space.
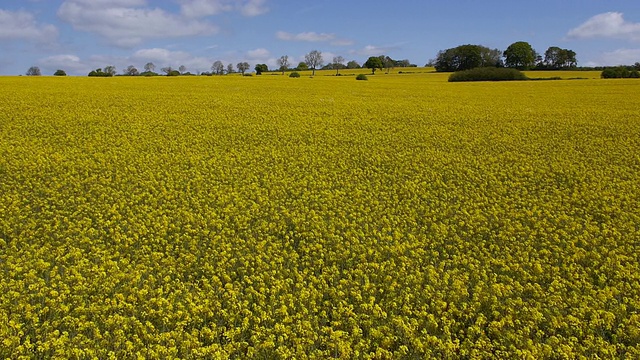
353,65
243,66
60,73
313,60
131,71
283,63
230,68
373,63
637,66
167,70
34,71
387,62
217,67
260,68
338,63
302,66
182,69
149,67
110,70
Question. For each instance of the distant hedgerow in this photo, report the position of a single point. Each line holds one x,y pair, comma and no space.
620,72
487,74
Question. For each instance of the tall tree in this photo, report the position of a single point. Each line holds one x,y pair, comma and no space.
149,67
283,63
217,67
338,63
313,60
230,68
520,55
243,66
387,62
373,63
182,69
34,71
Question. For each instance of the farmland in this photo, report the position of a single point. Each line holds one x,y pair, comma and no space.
269,217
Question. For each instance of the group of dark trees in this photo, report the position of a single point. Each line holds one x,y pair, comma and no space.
519,55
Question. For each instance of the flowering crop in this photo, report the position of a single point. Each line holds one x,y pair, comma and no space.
269,217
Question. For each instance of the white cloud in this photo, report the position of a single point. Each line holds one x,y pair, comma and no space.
616,57
68,63
305,36
127,23
203,8
606,25
371,50
22,25
254,8
163,57
258,54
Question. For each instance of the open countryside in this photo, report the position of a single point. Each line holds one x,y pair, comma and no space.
320,217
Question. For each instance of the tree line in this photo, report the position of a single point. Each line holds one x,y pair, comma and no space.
519,55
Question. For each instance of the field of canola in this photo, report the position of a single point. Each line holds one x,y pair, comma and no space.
402,217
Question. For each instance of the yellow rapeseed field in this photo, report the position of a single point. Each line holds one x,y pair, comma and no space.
269,217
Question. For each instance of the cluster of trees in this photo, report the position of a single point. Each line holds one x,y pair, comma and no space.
519,55
622,72
385,62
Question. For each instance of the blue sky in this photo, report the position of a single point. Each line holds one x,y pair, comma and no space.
80,35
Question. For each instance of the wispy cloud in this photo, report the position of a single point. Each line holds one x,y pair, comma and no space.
311,36
606,25
22,25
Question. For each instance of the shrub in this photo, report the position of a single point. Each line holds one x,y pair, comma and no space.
620,72
487,74
362,77
294,74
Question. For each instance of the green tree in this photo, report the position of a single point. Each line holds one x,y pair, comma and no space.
557,58
373,63
260,68
465,57
353,65
60,73
520,55
302,66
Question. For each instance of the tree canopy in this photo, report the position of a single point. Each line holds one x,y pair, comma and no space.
465,57
373,63
520,55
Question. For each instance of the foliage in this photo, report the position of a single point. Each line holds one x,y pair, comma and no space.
34,71
131,71
101,73
620,72
487,74
353,65
294,74
557,58
520,55
217,67
410,219
374,63
465,57
260,68
60,72
362,77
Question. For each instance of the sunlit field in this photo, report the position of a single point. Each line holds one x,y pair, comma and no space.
403,217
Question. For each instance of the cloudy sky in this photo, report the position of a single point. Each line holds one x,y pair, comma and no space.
80,35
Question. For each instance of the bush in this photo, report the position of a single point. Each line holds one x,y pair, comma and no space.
294,74
487,74
362,77
620,72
